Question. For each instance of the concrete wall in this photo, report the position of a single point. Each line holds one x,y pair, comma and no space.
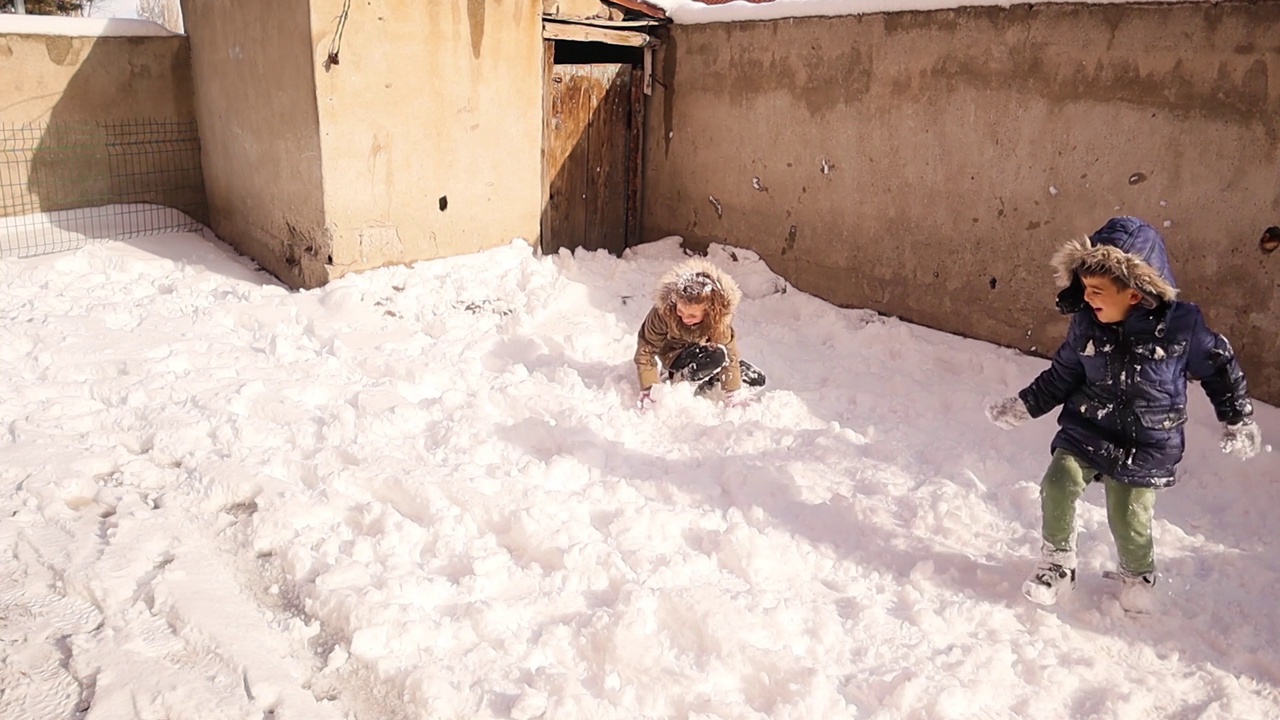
260,132
86,79
81,81
432,127
422,140
927,165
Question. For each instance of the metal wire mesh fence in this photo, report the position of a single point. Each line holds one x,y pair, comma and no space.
63,185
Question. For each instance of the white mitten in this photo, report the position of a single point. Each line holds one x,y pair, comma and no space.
1008,413
1242,439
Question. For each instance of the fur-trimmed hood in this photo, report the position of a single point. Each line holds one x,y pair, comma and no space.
698,277
1126,248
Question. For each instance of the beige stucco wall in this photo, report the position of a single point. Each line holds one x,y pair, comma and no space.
316,169
86,79
260,132
429,100
81,81
926,165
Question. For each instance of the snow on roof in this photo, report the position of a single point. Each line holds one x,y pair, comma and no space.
14,24
708,11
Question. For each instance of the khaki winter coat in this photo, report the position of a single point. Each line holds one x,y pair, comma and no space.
664,335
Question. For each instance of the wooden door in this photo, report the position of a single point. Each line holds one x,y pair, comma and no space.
590,156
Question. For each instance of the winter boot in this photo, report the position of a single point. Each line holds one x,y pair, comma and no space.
1048,581
751,375
698,363
1137,592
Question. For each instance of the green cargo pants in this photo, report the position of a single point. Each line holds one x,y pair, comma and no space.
1129,511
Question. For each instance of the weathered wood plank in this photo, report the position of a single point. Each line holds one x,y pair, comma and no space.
548,159
636,25
567,158
635,153
607,155
641,6
587,33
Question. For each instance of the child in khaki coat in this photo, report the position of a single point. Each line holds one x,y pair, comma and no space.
689,336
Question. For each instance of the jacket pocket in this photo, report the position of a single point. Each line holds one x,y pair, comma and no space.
1161,369
1159,351
1155,418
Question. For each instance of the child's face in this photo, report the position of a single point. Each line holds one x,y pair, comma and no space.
1110,302
689,313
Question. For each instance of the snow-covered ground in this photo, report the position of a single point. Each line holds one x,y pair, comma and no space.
425,493
61,230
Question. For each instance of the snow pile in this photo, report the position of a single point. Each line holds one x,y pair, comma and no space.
697,11
425,492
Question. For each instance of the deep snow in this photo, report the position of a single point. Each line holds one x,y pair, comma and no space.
425,493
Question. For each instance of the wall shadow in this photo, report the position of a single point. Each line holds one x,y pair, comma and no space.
117,155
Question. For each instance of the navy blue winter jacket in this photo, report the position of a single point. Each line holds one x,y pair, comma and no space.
1123,386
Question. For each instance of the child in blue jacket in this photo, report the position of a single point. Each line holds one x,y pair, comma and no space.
1121,379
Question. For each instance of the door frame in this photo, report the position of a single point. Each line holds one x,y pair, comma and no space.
641,72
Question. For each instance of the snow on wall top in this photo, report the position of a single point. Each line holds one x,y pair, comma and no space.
707,11
14,24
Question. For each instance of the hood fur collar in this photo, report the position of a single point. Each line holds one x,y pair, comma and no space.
1081,253
700,276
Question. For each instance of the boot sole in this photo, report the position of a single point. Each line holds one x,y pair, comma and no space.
1026,593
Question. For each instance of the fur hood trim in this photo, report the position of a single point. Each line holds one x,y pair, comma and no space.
1081,253
699,278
